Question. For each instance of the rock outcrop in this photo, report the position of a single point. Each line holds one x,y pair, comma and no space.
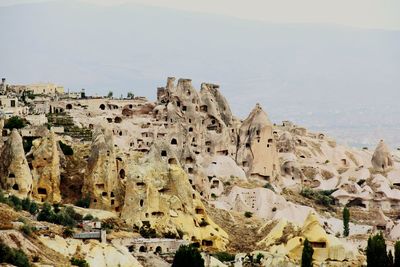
382,159
46,168
326,247
15,175
159,195
103,181
257,147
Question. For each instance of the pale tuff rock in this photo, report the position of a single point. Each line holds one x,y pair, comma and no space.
286,143
382,158
159,195
264,203
15,175
103,182
291,174
153,164
94,252
326,247
46,168
257,148
221,170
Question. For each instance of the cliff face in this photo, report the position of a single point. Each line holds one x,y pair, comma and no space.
382,159
46,168
257,147
102,181
159,195
15,175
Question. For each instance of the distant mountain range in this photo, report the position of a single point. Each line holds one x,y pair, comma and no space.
345,81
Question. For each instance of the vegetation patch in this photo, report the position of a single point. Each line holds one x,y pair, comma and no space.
65,216
321,197
13,256
223,256
18,204
188,256
14,122
83,202
79,262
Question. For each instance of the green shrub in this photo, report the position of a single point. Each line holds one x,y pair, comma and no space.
56,207
13,256
88,217
15,202
376,251
269,186
46,214
223,256
18,204
187,256
346,219
170,235
147,232
3,199
27,229
306,257
68,232
83,202
66,216
26,203
66,149
322,197
14,122
248,214
259,257
397,254
79,262
33,208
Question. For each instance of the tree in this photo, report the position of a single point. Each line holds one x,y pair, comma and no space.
346,219
26,204
223,256
13,256
306,257
130,95
187,256
110,94
68,232
46,214
14,122
376,251
397,254
33,208
83,202
79,262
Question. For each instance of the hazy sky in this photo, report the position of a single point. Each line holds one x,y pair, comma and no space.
380,14
290,56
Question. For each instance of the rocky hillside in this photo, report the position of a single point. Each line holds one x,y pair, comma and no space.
185,167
